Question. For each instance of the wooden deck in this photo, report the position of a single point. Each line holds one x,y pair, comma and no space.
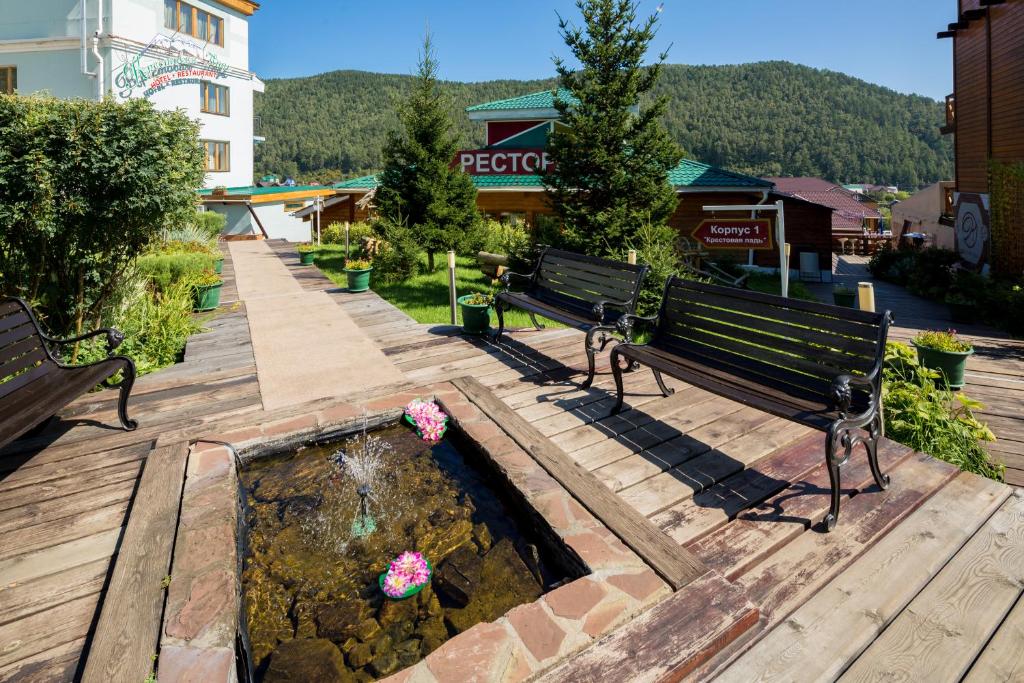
923,581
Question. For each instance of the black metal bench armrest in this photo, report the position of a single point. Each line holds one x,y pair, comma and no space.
625,324
114,338
506,278
841,393
598,309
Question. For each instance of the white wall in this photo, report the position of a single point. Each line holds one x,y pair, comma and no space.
278,223
923,209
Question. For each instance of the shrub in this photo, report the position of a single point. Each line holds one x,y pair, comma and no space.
397,256
922,415
655,246
209,223
163,270
87,186
509,239
357,264
156,325
306,248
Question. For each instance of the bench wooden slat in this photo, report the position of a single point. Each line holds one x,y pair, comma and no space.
811,339
590,281
16,334
12,353
22,380
7,307
582,290
14,318
790,304
23,362
560,255
730,301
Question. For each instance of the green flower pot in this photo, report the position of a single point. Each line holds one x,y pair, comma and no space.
218,266
950,364
306,257
208,297
358,280
845,299
476,318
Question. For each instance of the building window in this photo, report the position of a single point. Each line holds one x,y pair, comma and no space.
217,156
8,79
213,98
184,18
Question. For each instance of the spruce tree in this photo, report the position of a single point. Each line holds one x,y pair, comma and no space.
418,188
610,160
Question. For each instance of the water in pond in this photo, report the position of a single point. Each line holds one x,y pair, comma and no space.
323,522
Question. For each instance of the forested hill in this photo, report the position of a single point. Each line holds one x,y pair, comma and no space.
770,118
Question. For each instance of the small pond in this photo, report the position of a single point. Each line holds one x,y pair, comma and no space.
315,548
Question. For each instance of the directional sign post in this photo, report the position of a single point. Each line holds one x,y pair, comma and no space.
734,233
780,227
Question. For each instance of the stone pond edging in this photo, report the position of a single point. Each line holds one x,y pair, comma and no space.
203,597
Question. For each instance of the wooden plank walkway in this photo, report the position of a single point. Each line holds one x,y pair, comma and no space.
740,490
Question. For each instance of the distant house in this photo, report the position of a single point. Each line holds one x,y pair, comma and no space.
866,188
923,212
850,215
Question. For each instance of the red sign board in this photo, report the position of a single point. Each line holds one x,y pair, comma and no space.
735,233
502,161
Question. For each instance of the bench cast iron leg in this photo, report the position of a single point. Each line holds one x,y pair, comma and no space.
500,310
665,391
832,461
127,381
617,374
533,319
871,444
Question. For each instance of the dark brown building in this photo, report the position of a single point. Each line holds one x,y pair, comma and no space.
985,114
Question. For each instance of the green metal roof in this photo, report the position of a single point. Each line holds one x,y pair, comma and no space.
366,182
538,100
256,190
690,173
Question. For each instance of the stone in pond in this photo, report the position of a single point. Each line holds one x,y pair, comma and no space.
339,620
457,578
440,541
360,655
393,611
505,581
266,608
482,536
433,633
367,629
300,661
290,479
384,664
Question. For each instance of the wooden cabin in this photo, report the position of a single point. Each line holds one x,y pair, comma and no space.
985,115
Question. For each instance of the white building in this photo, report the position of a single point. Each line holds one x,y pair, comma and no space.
190,55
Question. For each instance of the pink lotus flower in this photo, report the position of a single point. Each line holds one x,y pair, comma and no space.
429,418
408,570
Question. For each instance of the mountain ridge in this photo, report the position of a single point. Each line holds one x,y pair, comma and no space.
764,118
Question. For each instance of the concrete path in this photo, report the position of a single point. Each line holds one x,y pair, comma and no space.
305,346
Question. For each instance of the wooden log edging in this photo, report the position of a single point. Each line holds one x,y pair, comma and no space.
672,562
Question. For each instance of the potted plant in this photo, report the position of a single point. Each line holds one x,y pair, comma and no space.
476,312
945,353
844,296
358,273
218,263
207,290
307,252
962,309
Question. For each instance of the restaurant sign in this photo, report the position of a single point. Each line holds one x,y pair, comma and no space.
502,161
167,62
735,233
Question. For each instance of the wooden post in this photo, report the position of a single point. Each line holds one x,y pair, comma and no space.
631,258
866,296
780,226
451,286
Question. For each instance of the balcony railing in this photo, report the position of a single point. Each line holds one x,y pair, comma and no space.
950,114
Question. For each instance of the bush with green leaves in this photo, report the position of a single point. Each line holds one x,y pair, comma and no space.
398,256
210,223
919,413
942,341
164,270
86,187
655,246
156,325
509,239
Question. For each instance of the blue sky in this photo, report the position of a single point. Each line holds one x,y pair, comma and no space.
894,46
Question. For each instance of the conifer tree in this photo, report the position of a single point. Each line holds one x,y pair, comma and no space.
418,188
610,161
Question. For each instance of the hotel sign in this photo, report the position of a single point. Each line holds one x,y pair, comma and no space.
502,161
735,233
167,62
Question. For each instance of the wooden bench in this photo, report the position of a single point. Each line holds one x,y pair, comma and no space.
812,363
585,292
35,384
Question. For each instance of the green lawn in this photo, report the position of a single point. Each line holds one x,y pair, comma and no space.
425,297
769,284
